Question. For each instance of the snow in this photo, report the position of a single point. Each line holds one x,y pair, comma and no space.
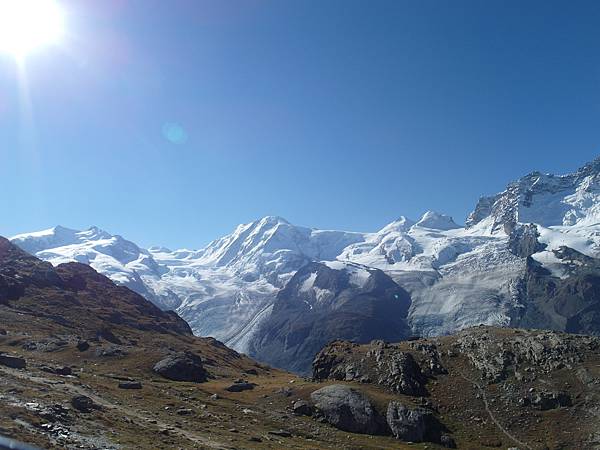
436,221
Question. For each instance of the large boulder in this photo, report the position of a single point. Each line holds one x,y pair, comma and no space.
184,366
416,425
347,409
14,362
550,400
84,404
407,424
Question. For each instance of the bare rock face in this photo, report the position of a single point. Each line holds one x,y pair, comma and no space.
382,364
523,240
347,409
523,352
182,367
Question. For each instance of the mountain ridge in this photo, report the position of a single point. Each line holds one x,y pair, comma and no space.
456,276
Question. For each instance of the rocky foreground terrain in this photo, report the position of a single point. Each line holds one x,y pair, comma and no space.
87,364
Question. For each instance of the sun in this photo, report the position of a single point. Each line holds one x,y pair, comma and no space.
27,25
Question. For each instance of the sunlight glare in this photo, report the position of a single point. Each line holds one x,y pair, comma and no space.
26,25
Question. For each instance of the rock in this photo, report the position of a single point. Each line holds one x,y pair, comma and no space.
14,362
130,385
251,372
550,400
84,404
110,351
281,433
347,409
239,387
406,424
82,346
46,345
382,364
185,412
64,370
184,366
285,391
447,441
215,397
413,424
302,408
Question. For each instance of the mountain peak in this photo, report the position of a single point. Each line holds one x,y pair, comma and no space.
273,220
590,168
437,221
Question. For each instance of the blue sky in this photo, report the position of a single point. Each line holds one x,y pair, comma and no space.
170,122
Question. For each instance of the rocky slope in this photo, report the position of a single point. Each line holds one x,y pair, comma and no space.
88,364
497,270
496,387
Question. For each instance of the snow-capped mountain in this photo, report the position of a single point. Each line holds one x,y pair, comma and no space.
119,259
487,272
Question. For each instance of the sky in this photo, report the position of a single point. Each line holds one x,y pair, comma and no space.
170,122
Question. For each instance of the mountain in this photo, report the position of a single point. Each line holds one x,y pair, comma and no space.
327,301
85,363
498,269
119,259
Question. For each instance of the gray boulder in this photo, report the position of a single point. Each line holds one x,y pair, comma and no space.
240,386
84,404
130,385
14,362
407,424
416,425
550,400
347,409
302,408
184,366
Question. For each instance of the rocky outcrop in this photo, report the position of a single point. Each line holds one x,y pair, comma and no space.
482,377
184,366
570,303
378,363
546,400
523,240
347,409
519,352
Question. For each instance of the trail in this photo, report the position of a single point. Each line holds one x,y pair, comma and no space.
491,414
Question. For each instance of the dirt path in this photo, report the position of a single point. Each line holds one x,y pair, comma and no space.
491,414
73,389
